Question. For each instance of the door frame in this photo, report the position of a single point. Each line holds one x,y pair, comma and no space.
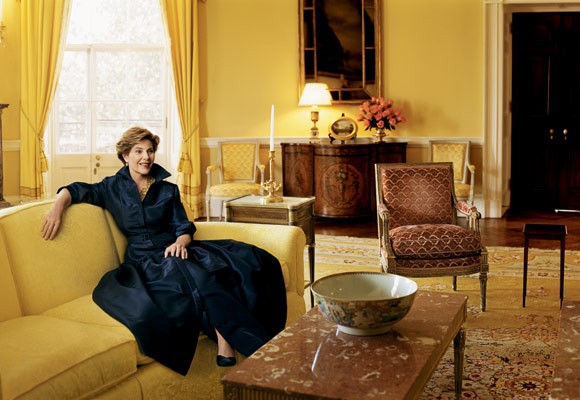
497,95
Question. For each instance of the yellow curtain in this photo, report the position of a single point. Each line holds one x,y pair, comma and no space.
43,33
180,18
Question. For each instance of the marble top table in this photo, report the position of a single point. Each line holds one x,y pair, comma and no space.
566,383
311,359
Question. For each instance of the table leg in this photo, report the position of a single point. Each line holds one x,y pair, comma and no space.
526,242
459,351
311,254
562,262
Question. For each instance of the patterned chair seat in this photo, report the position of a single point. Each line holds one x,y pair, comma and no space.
434,241
234,189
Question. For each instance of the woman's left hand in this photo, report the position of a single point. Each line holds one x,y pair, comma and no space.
176,250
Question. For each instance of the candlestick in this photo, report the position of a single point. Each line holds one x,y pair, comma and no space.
272,129
271,185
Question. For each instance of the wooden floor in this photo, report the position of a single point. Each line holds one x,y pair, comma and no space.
506,231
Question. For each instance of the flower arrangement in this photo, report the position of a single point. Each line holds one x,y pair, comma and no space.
380,113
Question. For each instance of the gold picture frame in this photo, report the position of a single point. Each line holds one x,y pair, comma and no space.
340,45
344,128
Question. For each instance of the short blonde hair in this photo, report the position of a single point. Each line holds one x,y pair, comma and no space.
131,137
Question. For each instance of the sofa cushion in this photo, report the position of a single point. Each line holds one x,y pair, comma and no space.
434,241
85,310
51,358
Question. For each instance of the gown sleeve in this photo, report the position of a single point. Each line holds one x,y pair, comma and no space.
179,222
81,192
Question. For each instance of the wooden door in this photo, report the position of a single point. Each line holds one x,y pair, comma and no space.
545,170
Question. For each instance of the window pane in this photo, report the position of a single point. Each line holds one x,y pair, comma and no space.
74,86
115,21
145,111
145,70
107,134
114,111
73,136
111,76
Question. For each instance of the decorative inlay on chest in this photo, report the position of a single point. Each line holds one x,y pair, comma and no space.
342,185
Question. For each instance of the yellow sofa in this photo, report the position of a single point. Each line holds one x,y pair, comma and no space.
56,343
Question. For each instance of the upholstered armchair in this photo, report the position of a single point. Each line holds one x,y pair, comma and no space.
419,235
238,167
456,152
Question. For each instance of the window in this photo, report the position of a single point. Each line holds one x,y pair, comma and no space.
114,75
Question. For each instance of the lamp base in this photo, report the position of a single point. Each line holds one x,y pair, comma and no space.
314,137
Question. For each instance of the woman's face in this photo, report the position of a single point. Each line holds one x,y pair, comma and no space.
141,157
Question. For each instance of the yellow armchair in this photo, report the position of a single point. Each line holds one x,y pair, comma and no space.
456,152
239,171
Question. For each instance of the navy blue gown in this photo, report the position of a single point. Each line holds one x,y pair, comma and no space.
166,302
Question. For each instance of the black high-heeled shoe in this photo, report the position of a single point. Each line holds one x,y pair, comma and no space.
223,361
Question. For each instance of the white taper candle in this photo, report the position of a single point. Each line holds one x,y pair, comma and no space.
272,129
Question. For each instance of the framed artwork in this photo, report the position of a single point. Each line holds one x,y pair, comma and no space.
344,128
340,45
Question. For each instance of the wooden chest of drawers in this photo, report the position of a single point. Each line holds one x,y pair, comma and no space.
340,176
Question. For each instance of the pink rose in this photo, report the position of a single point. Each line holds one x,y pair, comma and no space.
381,124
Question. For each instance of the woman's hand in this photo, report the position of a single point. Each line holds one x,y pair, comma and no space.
176,250
52,220
179,248
51,223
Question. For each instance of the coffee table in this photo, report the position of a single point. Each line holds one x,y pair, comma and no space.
311,359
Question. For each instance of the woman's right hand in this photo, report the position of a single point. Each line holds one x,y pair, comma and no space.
53,219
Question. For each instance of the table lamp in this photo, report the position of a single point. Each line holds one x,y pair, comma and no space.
314,95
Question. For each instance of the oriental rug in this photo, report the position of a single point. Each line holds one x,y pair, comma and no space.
509,350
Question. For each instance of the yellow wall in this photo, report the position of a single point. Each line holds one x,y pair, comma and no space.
433,57
432,67
10,94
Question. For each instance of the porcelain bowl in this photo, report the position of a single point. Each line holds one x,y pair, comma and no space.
364,303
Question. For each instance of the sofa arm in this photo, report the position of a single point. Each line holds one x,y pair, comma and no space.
284,242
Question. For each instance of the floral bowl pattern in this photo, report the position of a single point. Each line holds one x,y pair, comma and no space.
364,303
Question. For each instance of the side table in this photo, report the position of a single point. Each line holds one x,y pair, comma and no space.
295,211
546,232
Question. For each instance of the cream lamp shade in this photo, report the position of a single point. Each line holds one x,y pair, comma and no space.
314,95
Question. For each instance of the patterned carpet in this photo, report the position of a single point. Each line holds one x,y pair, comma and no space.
509,349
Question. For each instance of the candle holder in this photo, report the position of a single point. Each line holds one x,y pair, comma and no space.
271,185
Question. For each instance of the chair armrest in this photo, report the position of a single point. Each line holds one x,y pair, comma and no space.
284,242
470,211
208,172
384,216
471,169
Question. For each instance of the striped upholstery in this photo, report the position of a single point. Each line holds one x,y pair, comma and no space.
418,230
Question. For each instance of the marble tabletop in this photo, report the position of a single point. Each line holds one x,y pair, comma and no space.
312,359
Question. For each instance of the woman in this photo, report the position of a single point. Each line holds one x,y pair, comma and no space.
170,287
